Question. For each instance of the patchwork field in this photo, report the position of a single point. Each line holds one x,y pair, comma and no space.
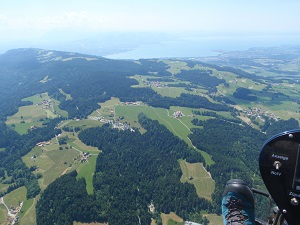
33,115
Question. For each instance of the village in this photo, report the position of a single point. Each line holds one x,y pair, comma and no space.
259,113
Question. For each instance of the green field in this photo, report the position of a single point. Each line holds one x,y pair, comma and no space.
33,115
3,187
28,212
15,197
171,219
3,214
214,219
196,174
68,96
172,92
86,170
176,66
52,162
77,144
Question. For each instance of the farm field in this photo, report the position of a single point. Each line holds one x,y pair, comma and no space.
3,214
33,115
196,174
86,171
28,212
16,197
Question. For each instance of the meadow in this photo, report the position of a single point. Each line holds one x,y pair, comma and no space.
33,115
171,219
196,174
16,197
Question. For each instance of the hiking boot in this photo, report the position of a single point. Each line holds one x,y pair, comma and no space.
238,204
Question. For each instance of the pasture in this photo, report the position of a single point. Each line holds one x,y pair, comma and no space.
86,170
176,66
53,160
33,115
196,174
3,215
171,219
16,197
27,214
214,219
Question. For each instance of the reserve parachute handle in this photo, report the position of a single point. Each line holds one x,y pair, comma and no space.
279,164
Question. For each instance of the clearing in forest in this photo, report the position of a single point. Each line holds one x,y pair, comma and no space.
197,175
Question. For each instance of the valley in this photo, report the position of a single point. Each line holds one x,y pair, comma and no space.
94,120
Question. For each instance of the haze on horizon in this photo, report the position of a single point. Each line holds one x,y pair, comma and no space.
40,23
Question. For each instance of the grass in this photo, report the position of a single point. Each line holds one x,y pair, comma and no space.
176,66
28,216
68,96
196,174
77,144
31,115
35,99
171,219
26,206
63,160
214,219
22,128
3,187
86,170
172,92
3,214
16,197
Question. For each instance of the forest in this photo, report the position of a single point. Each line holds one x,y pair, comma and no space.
134,169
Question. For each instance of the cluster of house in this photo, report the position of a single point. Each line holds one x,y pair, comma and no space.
116,125
45,103
13,212
234,81
153,83
41,144
101,119
178,114
83,157
133,103
259,112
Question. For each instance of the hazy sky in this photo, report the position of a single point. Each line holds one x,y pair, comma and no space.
22,19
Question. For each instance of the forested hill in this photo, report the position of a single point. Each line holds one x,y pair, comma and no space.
88,79
132,141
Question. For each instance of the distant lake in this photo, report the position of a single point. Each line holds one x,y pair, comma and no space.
204,46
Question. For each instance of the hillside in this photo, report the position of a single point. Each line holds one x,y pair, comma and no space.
91,139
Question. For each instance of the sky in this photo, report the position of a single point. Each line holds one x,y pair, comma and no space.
34,19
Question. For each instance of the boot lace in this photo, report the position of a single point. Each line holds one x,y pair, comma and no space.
235,215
